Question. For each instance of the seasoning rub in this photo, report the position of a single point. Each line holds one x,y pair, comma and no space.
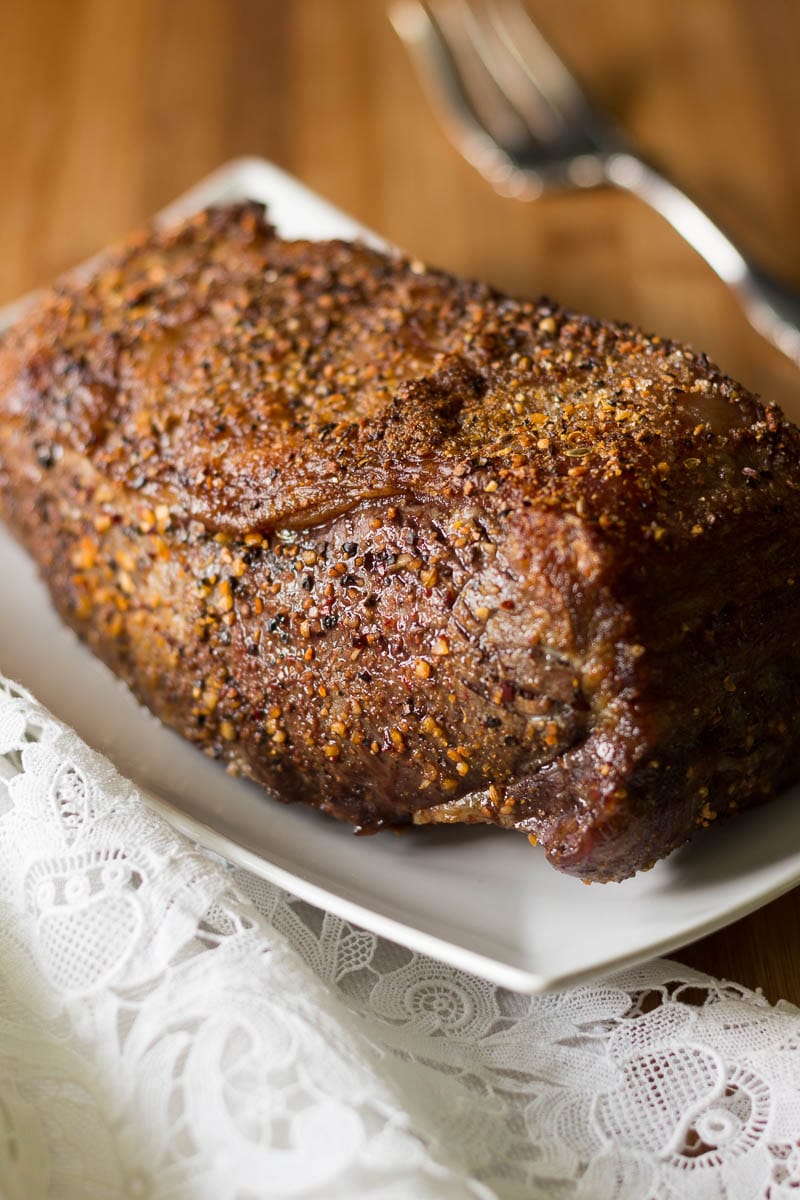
409,551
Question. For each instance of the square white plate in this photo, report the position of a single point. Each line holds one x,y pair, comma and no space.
479,899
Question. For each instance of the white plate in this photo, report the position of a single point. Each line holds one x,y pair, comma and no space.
479,899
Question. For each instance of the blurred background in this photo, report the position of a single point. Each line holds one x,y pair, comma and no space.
110,108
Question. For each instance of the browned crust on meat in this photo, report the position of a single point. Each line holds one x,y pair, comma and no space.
404,548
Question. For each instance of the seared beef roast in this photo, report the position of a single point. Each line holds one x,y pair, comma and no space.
404,549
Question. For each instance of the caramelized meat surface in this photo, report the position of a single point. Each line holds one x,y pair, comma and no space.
404,549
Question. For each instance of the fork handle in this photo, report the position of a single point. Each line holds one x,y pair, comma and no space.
771,307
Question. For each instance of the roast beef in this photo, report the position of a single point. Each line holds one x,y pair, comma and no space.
404,549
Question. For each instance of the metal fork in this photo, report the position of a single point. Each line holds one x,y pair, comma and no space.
519,116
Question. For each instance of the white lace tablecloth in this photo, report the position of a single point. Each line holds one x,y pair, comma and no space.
172,1027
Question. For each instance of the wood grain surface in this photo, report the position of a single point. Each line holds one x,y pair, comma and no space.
109,108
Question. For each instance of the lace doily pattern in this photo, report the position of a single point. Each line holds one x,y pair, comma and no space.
173,1027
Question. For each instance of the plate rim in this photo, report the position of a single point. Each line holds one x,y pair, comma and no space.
492,970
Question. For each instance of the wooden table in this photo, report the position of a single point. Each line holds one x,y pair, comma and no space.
111,107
